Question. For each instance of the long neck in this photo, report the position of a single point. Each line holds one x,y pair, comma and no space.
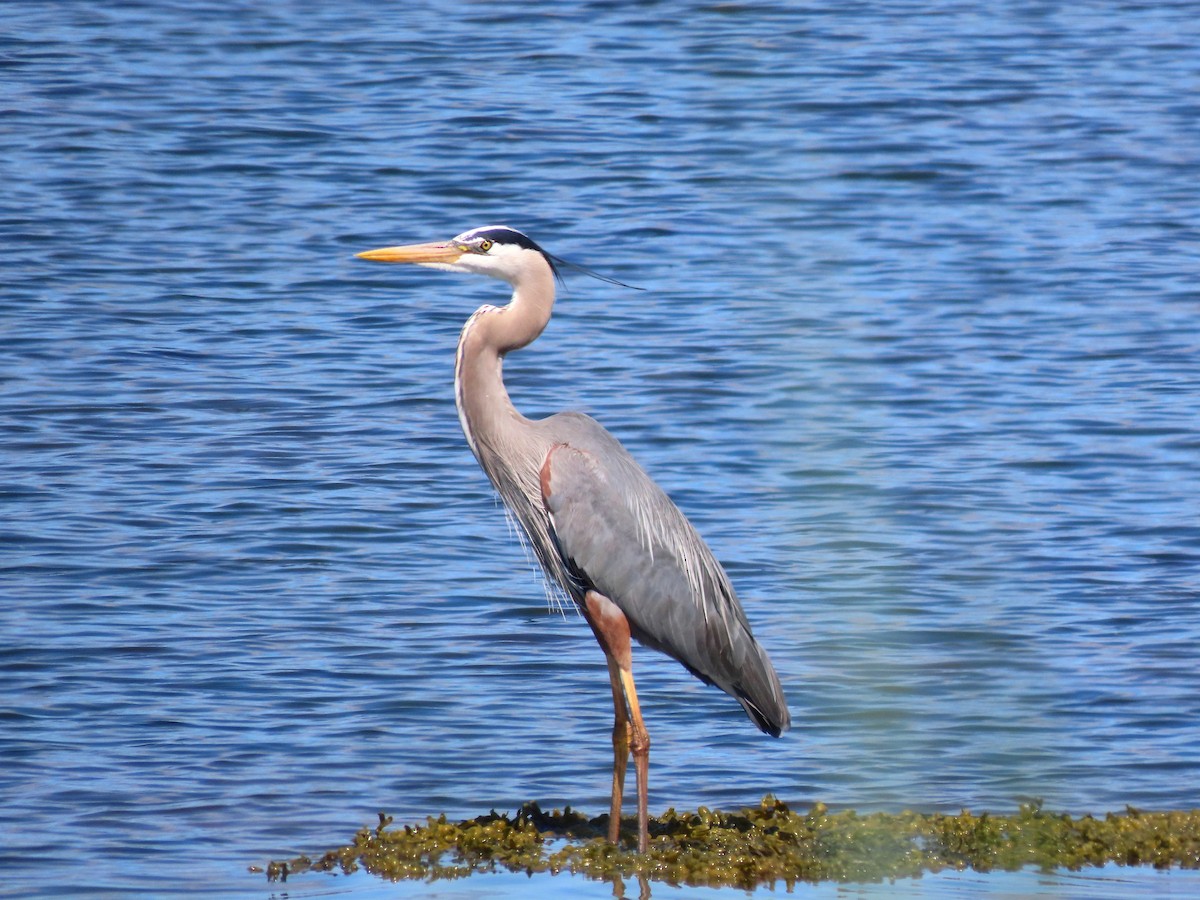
488,417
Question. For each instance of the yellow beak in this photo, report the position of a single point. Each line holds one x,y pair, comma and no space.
415,253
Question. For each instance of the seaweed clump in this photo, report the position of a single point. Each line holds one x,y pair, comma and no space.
763,846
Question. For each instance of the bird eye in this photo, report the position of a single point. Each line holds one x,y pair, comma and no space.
485,245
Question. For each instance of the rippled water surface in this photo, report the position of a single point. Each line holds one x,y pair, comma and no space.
918,352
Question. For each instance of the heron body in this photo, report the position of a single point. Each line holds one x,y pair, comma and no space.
602,530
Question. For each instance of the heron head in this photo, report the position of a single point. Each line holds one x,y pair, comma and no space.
495,250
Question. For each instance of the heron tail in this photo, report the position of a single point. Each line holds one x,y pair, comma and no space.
761,695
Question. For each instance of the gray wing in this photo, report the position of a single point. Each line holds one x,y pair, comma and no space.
620,534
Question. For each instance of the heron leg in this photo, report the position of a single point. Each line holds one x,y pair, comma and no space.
629,731
620,737
639,745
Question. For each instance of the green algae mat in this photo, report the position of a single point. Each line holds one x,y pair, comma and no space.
765,846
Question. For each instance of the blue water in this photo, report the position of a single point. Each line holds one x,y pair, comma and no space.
918,352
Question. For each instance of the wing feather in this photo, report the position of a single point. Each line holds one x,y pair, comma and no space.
620,534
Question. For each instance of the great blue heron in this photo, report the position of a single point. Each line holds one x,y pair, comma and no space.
601,528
